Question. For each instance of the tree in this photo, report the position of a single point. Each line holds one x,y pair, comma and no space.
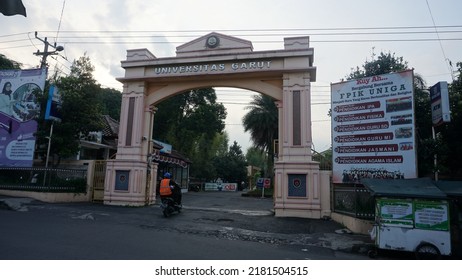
384,64
257,157
427,147
262,122
203,156
449,135
6,63
182,119
80,110
110,101
231,167
191,123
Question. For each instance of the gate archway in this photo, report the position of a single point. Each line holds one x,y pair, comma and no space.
218,60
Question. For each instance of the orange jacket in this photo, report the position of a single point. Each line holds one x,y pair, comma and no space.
165,187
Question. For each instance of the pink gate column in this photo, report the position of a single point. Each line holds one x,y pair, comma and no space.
126,177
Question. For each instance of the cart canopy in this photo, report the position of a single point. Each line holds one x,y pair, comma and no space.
451,188
404,188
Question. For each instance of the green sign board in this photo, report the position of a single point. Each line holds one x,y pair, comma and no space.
395,212
431,215
418,214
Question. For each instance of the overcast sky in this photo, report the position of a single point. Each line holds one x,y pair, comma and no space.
344,34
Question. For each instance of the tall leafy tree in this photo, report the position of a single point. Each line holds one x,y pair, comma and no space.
231,167
262,123
182,119
257,157
80,110
190,122
383,64
6,63
110,101
449,135
205,153
426,146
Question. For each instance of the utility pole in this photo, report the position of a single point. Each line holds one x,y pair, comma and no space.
46,53
43,66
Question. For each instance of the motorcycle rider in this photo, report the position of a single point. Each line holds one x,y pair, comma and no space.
169,188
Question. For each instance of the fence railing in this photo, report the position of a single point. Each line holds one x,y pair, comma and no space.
43,179
325,162
354,201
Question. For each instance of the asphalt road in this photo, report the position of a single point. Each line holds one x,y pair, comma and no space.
212,226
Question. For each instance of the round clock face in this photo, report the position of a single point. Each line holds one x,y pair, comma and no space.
212,42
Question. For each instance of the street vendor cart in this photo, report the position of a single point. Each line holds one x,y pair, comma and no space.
410,215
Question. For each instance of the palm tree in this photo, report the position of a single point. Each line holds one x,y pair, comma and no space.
262,123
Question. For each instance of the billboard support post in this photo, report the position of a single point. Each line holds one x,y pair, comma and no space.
48,153
435,157
49,144
439,97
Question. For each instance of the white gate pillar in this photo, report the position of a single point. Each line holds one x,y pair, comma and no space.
297,181
127,176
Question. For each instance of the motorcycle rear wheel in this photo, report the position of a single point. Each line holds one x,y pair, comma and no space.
167,212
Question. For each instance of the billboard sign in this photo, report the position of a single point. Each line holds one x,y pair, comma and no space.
439,97
19,109
221,187
53,110
263,183
373,128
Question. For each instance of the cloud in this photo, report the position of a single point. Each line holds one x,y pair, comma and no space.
164,25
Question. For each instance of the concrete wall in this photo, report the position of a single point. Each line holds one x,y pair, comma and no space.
49,197
61,197
353,224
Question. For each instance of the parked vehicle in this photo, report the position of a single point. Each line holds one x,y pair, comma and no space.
194,188
410,215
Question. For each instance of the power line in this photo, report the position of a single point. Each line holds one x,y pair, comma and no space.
446,60
260,35
129,35
116,37
263,30
261,42
60,20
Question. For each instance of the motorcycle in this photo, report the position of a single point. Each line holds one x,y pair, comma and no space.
169,206
194,188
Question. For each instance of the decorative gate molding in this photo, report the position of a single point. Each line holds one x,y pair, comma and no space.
218,60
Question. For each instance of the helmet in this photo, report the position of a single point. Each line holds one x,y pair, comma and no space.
167,175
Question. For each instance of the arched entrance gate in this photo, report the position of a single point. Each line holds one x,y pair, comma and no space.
217,60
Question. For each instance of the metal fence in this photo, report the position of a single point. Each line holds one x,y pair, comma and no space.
353,201
44,180
325,161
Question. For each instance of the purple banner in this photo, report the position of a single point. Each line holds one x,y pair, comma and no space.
19,109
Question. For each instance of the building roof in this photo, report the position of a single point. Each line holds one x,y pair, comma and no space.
404,188
111,127
111,132
451,188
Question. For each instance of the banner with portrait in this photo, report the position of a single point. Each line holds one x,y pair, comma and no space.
19,109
